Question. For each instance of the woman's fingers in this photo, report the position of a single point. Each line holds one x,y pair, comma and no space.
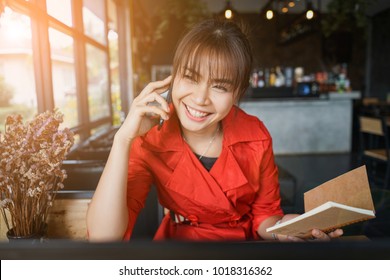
319,235
294,239
151,94
158,86
152,105
337,233
155,99
146,108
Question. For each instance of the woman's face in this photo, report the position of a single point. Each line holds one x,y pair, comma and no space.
201,101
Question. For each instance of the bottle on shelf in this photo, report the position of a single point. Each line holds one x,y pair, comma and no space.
266,77
254,79
288,71
298,75
272,77
260,82
280,79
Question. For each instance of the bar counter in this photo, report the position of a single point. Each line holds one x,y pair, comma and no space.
305,125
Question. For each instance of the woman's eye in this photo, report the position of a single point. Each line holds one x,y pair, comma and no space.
189,77
221,88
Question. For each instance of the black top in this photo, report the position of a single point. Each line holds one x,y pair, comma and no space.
207,162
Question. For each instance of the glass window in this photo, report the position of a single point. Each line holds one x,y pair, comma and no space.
94,19
98,88
17,62
61,10
63,74
114,63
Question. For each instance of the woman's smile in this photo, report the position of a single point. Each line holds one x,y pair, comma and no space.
194,114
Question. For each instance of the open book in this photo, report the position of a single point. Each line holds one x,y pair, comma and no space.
334,204
326,217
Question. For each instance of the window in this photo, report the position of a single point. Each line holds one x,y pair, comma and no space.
94,19
114,63
98,87
64,54
61,10
16,97
63,75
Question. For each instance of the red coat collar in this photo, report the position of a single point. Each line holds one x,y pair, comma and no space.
237,127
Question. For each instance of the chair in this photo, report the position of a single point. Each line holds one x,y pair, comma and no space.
288,190
149,218
370,101
374,150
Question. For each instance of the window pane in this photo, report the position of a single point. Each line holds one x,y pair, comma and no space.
98,88
63,73
93,17
61,10
114,63
16,63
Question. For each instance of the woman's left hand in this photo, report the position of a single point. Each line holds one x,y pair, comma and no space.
318,235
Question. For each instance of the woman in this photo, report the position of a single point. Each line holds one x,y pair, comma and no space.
212,164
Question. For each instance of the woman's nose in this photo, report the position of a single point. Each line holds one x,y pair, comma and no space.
201,96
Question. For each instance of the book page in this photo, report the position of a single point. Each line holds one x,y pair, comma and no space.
329,217
351,188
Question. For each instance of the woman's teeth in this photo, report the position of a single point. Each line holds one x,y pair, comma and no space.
196,113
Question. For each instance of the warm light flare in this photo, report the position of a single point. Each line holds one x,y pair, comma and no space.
269,14
7,11
17,28
291,4
112,35
228,14
309,14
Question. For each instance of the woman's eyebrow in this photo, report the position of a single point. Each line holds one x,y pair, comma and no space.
192,71
212,80
222,81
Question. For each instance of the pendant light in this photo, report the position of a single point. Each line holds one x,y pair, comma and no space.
309,10
229,13
268,10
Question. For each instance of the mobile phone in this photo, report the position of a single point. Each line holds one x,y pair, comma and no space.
167,96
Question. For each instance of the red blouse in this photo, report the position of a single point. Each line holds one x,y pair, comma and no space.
227,203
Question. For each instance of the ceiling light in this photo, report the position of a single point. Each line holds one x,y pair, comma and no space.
229,13
309,11
269,14
291,4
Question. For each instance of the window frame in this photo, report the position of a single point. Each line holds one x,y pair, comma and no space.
40,23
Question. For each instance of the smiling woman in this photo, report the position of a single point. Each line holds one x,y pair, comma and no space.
212,164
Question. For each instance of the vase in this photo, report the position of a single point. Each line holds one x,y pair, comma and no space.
33,238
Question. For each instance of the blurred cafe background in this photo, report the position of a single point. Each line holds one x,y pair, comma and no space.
321,72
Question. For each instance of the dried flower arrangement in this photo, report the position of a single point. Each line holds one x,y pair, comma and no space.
31,156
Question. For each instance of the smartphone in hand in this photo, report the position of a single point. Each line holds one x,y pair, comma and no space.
167,96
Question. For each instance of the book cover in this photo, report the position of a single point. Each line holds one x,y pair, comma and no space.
351,188
341,201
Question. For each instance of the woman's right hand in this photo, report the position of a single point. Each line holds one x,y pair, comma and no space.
143,115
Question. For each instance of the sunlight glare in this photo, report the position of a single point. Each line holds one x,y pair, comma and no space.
16,26
112,35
